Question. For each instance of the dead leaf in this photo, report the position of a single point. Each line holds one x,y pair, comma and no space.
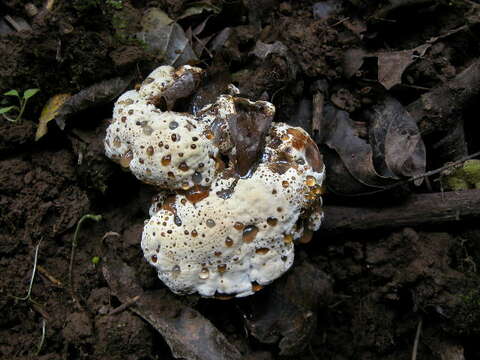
394,150
49,112
289,314
97,94
339,133
188,334
396,139
262,50
199,7
248,128
391,65
166,37
220,39
353,61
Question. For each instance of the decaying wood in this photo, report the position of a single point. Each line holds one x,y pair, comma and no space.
419,209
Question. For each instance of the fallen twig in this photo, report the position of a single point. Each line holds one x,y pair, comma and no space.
124,306
49,276
417,177
418,209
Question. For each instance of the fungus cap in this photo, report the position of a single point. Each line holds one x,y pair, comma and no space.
241,235
214,229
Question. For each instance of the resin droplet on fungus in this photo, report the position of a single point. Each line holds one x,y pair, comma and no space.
216,229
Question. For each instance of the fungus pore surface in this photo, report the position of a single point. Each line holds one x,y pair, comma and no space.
236,192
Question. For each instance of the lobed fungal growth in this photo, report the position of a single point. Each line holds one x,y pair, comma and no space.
231,207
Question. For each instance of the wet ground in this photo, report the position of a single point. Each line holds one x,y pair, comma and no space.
353,295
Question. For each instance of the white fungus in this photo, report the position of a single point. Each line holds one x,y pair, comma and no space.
212,231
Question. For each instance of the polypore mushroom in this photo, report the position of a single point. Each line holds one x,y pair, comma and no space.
233,232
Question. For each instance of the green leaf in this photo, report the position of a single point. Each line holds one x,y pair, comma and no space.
29,93
6,109
12,93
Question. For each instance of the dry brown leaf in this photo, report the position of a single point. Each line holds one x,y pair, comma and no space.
391,65
49,111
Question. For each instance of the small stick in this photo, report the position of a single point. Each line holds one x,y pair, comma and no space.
416,177
49,276
124,306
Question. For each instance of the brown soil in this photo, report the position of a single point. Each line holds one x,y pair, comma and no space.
375,288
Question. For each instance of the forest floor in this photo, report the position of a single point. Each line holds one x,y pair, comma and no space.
388,89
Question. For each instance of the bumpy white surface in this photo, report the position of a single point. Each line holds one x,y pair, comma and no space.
233,245
211,231
167,149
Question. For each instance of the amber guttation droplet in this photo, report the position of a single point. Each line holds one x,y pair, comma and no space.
306,236
174,137
126,159
223,297
272,221
171,174
185,186
194,233
208,134
166,160
217,253
204,274
249,233
160,144
183,166
228,242
123,118
210,223
197,193
193,146
287,239
262,251
154,258
222,268
310,181
238,225
285,183
183,201
150,151
256,287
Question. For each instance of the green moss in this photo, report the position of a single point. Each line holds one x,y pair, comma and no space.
471,169
456,183
465,177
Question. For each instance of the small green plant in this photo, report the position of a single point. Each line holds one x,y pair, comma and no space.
17,110
115,4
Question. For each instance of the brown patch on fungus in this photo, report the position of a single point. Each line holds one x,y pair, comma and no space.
196,193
